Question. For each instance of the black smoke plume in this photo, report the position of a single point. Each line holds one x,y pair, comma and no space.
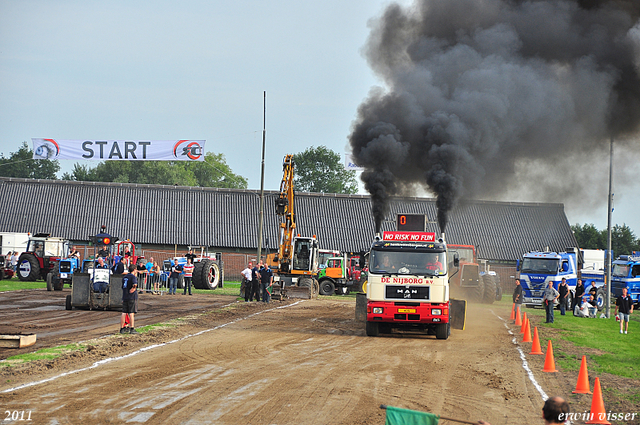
479,92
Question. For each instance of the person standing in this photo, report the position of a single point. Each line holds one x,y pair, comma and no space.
14,261
129,301
577,298
624,307
120,267
255,283
246,281
266,281
563,290
176,269
188,275
517,297
190,255
141,273
549,297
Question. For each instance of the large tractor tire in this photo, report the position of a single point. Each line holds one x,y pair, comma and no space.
476,293
49,281
57,282
206,275
28,268
327,287
489,289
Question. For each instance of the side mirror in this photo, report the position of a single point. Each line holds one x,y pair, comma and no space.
456,260
518,265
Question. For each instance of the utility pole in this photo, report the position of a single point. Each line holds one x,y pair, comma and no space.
610,205
264,135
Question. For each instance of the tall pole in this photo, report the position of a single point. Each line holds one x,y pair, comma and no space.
264,136
608,309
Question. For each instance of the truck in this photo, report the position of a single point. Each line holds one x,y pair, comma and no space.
208,271
538,268
295,265
341,273
408,285
625,273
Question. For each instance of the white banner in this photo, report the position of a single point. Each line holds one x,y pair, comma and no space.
349,164
126,150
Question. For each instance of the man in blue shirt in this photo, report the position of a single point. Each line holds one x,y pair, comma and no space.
266,280
129,301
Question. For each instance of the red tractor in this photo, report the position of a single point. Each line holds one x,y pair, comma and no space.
41,256
475,281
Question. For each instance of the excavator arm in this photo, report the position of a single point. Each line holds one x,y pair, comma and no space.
284,209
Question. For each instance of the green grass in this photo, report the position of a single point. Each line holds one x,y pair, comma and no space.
44,354
16,285
613,353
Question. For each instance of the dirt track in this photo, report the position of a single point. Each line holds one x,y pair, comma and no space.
302,363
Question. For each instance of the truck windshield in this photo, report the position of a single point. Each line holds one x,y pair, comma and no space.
540,265
408,262
620,270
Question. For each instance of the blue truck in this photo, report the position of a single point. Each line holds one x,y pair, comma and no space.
625,273
538,268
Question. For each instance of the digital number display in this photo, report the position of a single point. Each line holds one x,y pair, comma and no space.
411,222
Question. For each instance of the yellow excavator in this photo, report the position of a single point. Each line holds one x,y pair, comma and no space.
295,265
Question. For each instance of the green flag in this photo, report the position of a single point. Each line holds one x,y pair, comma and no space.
398,416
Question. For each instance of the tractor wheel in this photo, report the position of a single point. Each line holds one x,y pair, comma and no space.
57,283
49,281
489,289
601,298
2,276
28,268
443,330
68,305
373,329
327,287
476,293
196,280
206,275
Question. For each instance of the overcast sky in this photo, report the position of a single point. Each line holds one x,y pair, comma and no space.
166,70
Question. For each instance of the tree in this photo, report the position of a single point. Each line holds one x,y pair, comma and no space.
320,170
588,237
212,172
623,241
21,164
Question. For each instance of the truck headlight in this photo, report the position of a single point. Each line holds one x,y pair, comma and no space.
436,312
377,310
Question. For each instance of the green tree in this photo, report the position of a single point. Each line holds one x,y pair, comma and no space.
623,241
588,237
320,170
212,172
21,164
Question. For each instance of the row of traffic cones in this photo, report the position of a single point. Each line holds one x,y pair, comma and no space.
598,413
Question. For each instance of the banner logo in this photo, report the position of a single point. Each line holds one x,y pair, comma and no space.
189,148
45,149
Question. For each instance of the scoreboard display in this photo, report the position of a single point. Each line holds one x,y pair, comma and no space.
411,222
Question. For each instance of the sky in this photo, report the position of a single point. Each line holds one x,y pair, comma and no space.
165,70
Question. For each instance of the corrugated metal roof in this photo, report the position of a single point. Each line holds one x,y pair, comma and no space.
228,218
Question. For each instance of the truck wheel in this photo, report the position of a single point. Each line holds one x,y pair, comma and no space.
28,268
49,282
489,289
601,298
373,329
443,330
68,305
327,287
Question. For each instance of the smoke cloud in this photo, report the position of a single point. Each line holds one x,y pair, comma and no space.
480,94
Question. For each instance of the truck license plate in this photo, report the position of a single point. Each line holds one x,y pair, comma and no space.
406,310
63,275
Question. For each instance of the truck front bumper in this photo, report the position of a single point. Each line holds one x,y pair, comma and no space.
407,312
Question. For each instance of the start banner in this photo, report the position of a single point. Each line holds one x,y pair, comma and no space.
125,150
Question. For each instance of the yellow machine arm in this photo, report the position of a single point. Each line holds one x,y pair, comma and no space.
284,209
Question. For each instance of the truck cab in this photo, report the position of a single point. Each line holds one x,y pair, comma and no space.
539,268
408,287
625,273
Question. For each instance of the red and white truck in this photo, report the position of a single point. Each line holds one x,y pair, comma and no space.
408,286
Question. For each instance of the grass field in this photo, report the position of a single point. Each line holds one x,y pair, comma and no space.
16,284
600,339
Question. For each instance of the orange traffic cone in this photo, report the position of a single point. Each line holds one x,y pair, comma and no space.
524,323
527,333
582,387
513,312
598,414
549,362
535,347
518,321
